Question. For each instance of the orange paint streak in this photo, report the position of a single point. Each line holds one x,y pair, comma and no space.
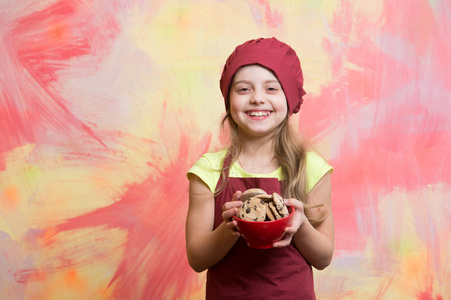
73,280
12,196
58,32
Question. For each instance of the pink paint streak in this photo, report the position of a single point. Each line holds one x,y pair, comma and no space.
269,16
153,215
36,47
395,110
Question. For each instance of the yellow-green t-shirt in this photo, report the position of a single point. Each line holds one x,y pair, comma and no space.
208,168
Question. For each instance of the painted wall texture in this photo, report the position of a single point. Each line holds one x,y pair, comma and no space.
105,104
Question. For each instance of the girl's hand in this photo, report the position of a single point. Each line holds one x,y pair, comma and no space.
298,220
230,209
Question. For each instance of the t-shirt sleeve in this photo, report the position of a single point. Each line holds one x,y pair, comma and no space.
207,169
316,168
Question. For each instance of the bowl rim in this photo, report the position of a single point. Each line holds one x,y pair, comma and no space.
266,222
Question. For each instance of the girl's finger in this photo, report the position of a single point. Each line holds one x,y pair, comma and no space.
290,230
284,242
231,224
236,196
295,203
229,213
231,204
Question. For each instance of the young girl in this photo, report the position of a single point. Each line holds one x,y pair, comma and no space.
262,87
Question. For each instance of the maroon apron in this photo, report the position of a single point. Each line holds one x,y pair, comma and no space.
248,273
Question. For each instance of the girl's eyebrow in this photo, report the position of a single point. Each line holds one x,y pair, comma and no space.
250,82
242,81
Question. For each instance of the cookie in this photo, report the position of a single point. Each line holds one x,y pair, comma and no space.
269,215
274,210
266,198
247,194
280,205
253,209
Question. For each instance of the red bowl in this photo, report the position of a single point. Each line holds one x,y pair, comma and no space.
262,235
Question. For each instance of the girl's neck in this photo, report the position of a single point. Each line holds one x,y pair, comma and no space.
257,156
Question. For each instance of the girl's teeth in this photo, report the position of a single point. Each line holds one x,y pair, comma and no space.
258,114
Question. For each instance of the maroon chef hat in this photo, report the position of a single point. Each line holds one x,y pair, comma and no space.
274,55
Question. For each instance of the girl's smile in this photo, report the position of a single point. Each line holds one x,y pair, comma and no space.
258,115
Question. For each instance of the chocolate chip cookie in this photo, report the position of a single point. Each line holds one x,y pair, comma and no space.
253,209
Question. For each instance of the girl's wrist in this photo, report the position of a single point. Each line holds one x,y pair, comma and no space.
303,222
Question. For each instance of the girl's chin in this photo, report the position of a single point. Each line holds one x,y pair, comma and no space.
257,132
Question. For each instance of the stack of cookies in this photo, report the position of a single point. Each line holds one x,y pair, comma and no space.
258,206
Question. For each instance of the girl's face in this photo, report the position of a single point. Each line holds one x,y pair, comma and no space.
257,102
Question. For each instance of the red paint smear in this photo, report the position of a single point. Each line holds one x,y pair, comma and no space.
382,289
37,47
153,213
27,275
428,295
407,141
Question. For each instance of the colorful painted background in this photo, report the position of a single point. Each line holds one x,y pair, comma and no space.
105,104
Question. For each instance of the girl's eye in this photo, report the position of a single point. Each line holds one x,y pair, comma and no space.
272,89
243,89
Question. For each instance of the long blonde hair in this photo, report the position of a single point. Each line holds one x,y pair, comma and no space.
290,151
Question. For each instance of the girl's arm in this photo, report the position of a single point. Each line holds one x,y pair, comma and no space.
316,244
205,247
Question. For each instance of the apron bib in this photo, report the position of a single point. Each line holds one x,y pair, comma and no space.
248,273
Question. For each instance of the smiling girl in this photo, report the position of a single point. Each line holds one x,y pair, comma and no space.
262,85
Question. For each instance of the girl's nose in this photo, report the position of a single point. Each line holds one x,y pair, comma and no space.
258,97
